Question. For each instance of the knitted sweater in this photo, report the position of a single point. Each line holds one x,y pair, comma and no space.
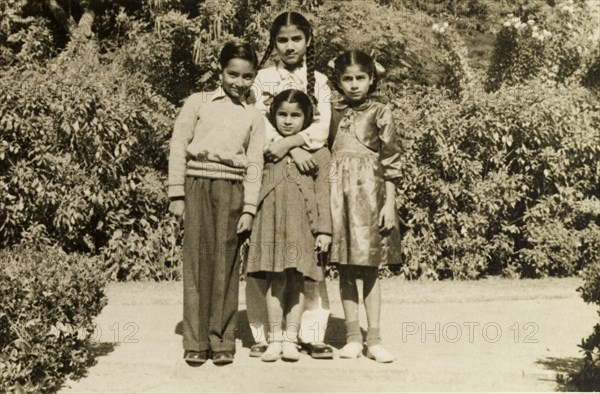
214,137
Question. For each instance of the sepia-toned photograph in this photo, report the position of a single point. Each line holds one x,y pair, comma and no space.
299,196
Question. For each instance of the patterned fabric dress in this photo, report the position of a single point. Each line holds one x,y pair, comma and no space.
365,154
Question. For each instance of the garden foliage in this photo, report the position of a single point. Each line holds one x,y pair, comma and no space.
500,149
503,182
82,163
49,301
496,182
587,378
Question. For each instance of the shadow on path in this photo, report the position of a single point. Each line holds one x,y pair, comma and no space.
563,368
95,350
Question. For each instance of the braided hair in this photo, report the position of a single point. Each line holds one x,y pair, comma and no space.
298,20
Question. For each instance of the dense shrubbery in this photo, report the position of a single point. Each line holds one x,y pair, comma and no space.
588,377
490,188
500,183
82,156
84,135
49,301
551,43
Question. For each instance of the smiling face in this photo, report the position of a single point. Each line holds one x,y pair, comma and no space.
291,44
237,77
289,118
355,83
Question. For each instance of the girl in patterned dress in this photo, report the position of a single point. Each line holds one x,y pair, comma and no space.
363,210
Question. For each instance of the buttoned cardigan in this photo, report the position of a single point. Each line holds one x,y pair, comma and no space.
314,188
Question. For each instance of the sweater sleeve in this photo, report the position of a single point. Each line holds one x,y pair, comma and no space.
322,184
263,94
183,132
254,152
315,135
389,154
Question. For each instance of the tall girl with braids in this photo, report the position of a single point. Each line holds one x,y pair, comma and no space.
292,39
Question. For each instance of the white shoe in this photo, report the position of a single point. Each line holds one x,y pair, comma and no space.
379,354
351,350
273,352
290,351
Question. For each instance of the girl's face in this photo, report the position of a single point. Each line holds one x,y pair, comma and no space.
355,83
291,44
237,78
289,118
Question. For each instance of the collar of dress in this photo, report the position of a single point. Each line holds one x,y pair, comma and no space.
219,94
342,105
298,74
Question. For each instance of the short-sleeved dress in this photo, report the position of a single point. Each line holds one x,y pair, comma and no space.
365,154
293,209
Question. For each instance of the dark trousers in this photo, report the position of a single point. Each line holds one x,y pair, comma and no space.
211,263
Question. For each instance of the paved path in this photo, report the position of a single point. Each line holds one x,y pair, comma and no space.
489,335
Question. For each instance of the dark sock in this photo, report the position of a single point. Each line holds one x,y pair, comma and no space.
373,336
353,332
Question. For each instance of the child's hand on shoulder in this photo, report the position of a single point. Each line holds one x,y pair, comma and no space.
322,243
245,223
387,218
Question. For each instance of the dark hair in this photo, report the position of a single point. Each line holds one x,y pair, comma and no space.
354,57
295,19
292,96
233,50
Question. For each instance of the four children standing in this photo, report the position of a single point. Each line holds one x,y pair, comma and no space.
301,198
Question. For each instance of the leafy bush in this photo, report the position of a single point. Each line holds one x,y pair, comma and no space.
82,153
550,43
155,252
24,39
587,378
164,56
499,183
410,50
49,301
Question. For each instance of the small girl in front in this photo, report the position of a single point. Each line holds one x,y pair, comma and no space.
291,38
215,165
292,225
363,209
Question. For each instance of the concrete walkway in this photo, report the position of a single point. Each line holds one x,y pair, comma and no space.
489,335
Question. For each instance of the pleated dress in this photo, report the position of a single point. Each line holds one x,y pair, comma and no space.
293,209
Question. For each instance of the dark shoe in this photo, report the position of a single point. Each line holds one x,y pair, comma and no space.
195,359
222,358
318,350
258,349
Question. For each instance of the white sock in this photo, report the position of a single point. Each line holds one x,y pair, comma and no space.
313,325
258,333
